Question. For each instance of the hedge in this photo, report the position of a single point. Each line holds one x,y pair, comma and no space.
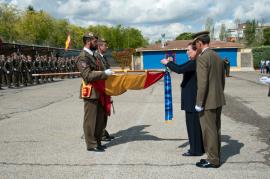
260,53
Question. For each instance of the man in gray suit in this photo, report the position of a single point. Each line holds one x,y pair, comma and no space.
210,98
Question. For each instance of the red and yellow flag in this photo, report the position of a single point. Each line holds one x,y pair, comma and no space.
118,84
67,45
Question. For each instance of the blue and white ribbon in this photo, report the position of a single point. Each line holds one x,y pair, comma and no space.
168,97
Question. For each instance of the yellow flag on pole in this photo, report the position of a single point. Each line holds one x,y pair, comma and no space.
67,42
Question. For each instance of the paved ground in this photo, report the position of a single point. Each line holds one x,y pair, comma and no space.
41,128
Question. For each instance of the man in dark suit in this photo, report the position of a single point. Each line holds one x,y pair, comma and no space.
188,100
210,98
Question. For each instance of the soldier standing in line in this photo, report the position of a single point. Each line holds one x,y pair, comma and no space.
42,69
72,66
93,110
46,68
24,70
9,70
55,64
63,67
51,67
227,66
30,66
75,67
2,70
16,70
37,69
102,47
68,66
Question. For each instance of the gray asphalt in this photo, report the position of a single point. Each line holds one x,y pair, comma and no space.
41,128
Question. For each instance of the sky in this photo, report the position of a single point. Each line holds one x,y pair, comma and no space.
153,17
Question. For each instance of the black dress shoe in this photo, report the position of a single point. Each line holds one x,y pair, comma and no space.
111,137
202,161
187,154
206,164
107,138
102,146
96,149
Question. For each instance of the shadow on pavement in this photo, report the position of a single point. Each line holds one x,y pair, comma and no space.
231,148
184,145
135,133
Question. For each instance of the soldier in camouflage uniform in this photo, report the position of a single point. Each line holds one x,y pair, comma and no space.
45,68
2,70
42,68
9,70
55,64
16,69
62,67
30,68
50,67
24,70
37,69
73,66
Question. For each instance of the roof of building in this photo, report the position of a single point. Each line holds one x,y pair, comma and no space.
8,48
182,44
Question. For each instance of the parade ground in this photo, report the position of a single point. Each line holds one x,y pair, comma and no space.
41,134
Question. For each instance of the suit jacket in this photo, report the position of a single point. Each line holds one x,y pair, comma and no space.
188,85
91,70
210,80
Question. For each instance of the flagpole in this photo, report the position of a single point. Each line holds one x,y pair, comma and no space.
115,71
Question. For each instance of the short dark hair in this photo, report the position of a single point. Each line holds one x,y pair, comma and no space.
86,39
205,39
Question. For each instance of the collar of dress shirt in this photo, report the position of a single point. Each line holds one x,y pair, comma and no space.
88,50
100,54
203,50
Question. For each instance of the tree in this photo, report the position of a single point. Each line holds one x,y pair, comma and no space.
35,27
59,34
76,34
119,37
184,36
223,34
250,32
133,38
30,9
266,36
237,22
9,17
38,27
158,41
210,26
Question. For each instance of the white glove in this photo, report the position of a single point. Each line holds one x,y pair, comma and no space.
109,72
198,108
7,72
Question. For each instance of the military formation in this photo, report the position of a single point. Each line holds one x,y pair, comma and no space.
16,70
